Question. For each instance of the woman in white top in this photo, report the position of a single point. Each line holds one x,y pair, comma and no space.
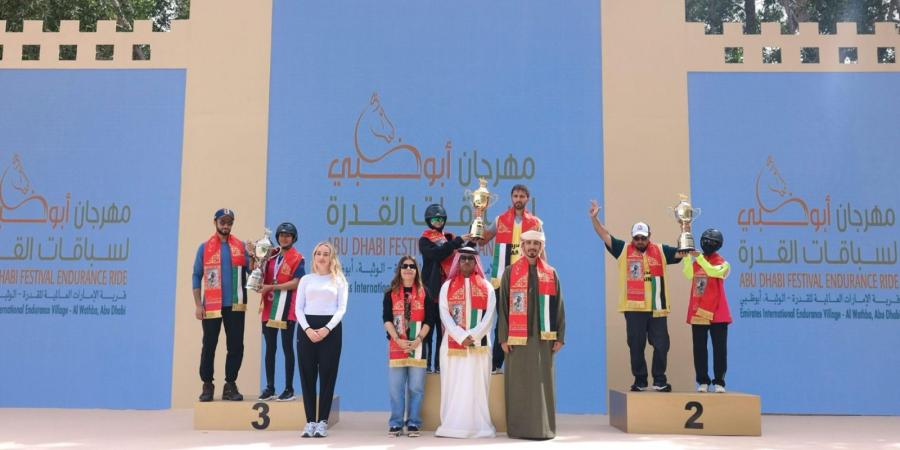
320,305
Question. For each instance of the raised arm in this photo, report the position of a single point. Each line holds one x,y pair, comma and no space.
594,212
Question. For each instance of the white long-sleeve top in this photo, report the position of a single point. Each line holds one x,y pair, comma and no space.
320,295
483,328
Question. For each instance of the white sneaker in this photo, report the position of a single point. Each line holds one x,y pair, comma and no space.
321,429
719,389
703,388
309,430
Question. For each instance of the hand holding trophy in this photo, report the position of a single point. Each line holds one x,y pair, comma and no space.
481,199
262,251
684,215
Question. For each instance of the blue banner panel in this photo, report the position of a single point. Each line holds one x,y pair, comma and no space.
380,108
798,172
90,170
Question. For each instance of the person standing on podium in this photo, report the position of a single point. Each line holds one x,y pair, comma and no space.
220,299
531,327
643,297
708,312
278,292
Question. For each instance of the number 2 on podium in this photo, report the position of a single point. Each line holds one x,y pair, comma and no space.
692,421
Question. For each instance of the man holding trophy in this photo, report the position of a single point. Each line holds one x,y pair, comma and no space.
220,298
643,294
506,232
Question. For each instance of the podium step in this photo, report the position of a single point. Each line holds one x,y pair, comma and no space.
431,404
726,414
255,415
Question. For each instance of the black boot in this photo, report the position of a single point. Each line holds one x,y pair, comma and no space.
207,394
230,392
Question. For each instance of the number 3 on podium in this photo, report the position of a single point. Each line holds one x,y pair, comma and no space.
264,420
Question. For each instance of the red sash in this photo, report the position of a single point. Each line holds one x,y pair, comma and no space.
407,328
507,220
518,301
212,278
438,238
277,307
640,265
708,303
466,312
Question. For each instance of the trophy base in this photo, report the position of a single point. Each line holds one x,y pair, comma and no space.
254,281
476,230
686,242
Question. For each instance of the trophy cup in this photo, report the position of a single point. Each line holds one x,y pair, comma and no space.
685,214
481,199
262,251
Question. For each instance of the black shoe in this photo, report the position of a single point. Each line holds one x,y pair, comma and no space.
395,431
287,395
412,431
230,392
207,394
664,388
267,394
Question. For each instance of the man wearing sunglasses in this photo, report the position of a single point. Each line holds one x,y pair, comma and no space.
437,248
643,297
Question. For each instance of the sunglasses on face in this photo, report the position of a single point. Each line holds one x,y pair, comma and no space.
466,258
438,219
639,238
407,266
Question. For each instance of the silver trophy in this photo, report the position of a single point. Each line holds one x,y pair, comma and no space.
262,250
685,214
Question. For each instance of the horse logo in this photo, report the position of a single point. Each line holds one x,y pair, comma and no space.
773,194
373,138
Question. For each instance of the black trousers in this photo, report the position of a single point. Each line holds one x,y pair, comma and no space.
719,333
640,328
234,343
287,347
498,355
431,344
318,362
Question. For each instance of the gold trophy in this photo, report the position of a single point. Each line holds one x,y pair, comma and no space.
481,199
684,215
262,250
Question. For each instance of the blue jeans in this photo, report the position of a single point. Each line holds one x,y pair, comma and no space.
399,380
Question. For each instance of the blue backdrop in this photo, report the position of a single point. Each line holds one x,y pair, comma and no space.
798,170
90,167
379,109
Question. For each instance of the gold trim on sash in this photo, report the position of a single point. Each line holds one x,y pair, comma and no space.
217,314
277,324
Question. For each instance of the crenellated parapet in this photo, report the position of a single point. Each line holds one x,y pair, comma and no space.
770,50
104,48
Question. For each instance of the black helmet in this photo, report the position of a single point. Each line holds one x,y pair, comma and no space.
287,228
434,210
711,240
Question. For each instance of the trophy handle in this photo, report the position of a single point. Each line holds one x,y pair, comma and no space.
696,212
274,252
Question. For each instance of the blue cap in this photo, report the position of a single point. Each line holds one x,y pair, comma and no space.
224,212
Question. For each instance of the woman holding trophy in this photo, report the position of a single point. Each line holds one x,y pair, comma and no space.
281,276
320,306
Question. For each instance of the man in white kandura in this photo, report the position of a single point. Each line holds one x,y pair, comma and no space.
466,348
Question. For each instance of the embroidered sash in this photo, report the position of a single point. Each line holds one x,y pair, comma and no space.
279,303
409,316
548,301
211,287
504,242
467,311
644,272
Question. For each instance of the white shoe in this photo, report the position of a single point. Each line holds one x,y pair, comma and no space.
719,389
309,430
321,429
703,388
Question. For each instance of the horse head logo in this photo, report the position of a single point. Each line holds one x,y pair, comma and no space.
771,190
375,122
15,187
